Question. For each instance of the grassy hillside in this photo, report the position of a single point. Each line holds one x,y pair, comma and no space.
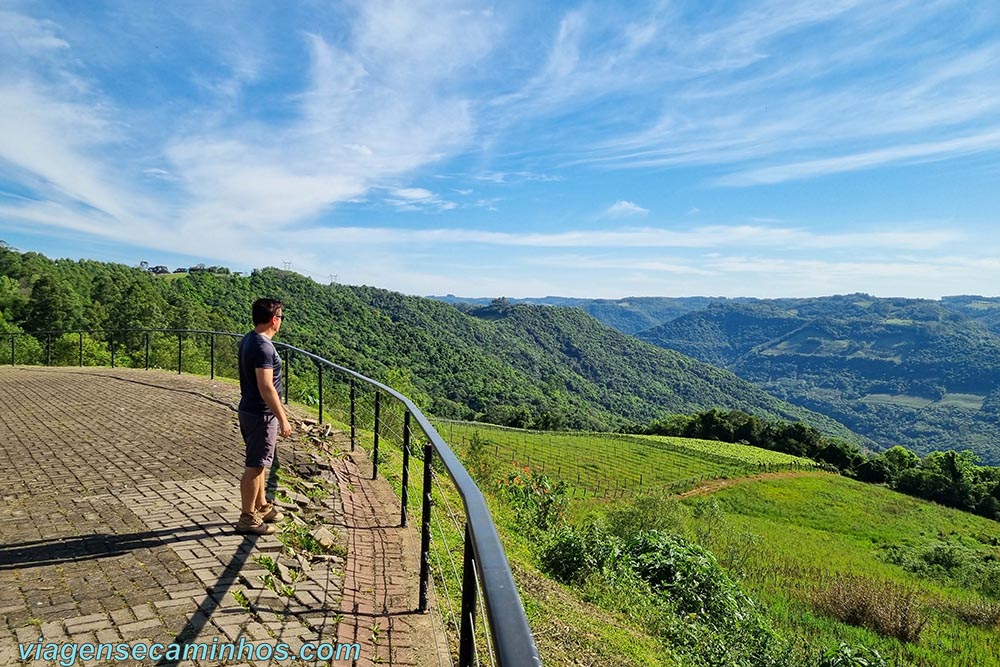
826,559
823,540
602,465
900,371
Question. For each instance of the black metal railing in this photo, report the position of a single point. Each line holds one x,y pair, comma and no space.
508,638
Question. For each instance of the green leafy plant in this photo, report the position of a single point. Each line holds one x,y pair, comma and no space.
845,655
267,563
538,500
241,598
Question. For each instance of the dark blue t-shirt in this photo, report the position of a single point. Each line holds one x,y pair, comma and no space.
256,351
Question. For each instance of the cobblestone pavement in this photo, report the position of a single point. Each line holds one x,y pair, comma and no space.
120,489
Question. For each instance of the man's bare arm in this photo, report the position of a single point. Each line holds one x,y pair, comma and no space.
265,383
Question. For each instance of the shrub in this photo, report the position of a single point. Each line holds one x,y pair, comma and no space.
977,612
481,465
885,607
574,553
975,569
647,511
537,500
689,574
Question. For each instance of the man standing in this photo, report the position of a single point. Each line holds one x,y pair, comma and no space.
261,414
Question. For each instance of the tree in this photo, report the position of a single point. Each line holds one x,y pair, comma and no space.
52,306
945,477
12,303
10,261
897,460
139,307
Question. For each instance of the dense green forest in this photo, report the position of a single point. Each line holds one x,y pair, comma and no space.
910,372
514,364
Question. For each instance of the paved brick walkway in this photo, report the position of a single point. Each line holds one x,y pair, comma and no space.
120,489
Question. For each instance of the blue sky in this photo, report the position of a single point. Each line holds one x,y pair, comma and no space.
517,148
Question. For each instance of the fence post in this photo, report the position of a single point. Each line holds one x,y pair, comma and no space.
180,351
147,350
466,638
353,413
112,349
319,375
48,349
81,348
12,339
406,468
425,530
378,411
211,354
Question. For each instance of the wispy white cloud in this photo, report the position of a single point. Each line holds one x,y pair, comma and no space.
649,237
624,209
419,199
631,264
758,85
51,144
516,177
196,130
360,121
31,36
907,154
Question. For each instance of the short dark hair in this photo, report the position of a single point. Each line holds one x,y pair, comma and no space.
264,309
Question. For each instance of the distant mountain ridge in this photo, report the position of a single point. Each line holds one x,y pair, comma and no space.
900,371
514,364
638,313
629,315
918,372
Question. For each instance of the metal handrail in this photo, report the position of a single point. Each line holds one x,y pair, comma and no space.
484,555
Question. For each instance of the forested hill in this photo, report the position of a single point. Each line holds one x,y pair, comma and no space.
511,364
919,373
629,315
985,310
634,314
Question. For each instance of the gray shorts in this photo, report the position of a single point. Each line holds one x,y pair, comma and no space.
260,433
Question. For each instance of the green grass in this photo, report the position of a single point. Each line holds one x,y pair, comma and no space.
813,527
607,465
965,401
899,399
755,456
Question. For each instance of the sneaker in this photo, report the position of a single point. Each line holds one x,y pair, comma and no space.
270,514
252,524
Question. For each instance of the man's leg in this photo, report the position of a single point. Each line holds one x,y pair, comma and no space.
250,521
261,498
251,488
267,511
254,429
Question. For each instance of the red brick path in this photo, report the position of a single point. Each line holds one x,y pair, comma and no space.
119,491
